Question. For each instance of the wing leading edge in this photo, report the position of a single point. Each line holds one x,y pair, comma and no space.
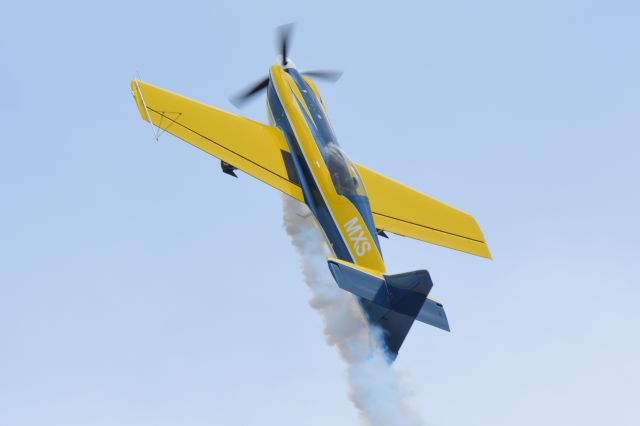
404,211
257,149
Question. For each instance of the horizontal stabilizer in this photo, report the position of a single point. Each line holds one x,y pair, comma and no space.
391,301
433,313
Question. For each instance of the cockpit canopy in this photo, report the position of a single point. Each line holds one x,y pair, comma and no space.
343,173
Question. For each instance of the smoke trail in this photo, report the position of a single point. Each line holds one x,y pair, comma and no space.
375,387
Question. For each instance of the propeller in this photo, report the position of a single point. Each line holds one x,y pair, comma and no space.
284,34
241,98
327,75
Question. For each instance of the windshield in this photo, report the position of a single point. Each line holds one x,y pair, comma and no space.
345,176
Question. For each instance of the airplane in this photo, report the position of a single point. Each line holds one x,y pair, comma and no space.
298,154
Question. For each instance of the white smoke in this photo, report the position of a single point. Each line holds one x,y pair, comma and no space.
375,387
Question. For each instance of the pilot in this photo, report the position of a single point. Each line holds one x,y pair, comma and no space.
339,172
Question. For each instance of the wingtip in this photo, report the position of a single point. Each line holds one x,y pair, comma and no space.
137,97
488,254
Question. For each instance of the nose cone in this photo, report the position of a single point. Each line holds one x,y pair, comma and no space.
288,63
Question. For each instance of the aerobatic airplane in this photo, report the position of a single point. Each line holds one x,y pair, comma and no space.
298,153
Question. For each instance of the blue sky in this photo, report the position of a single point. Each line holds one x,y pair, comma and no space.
140,285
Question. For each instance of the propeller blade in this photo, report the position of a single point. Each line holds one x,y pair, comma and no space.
284,35
242,97
285,32
328,75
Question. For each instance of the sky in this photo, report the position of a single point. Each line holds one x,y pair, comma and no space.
140,285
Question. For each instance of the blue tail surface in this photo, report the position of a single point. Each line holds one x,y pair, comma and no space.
392,302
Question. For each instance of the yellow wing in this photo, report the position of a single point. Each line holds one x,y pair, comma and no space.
404,211
254,148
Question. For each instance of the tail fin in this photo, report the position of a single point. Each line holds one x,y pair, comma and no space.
392,302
